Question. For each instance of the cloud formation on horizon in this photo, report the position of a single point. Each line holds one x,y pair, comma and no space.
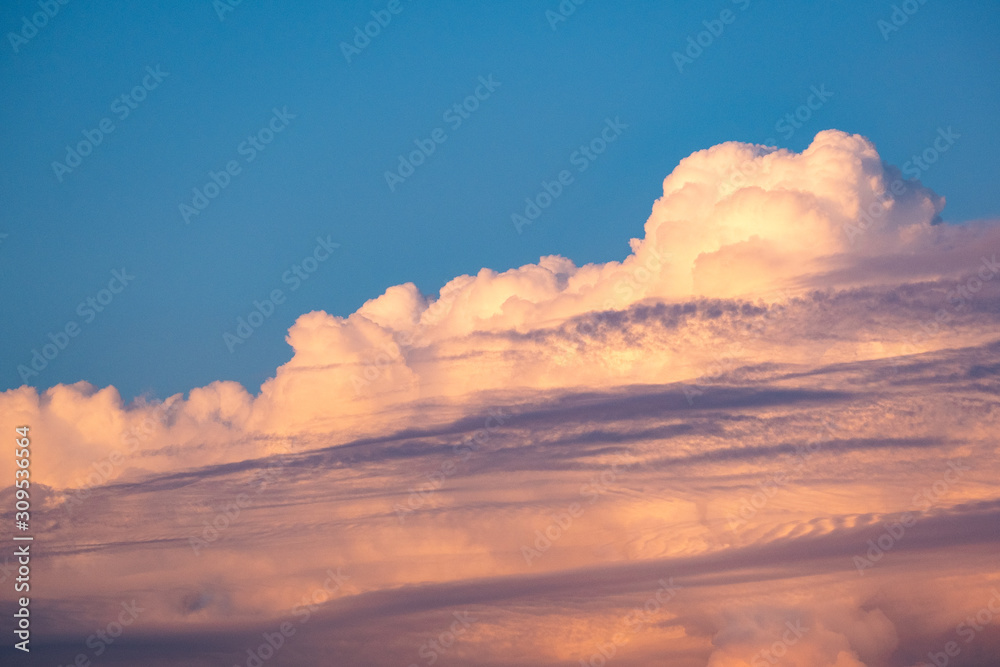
788,363
748,226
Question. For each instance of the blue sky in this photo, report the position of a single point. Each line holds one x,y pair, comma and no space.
782,397
323,175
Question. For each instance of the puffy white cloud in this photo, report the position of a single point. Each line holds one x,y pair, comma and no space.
796,354
735,220
753,227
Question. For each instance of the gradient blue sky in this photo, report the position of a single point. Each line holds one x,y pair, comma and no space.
324,174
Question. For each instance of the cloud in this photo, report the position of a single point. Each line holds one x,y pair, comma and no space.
657,479
736,246
791,359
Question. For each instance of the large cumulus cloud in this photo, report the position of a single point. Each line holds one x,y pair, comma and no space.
796,354
743,224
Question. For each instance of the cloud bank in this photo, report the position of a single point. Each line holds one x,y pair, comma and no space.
797,358
741,229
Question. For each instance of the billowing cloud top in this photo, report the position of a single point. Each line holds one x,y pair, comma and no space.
737,221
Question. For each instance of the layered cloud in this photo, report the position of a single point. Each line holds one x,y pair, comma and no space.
742,234
841,515
798,357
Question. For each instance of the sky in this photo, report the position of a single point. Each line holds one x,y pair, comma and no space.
325,173
548,334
